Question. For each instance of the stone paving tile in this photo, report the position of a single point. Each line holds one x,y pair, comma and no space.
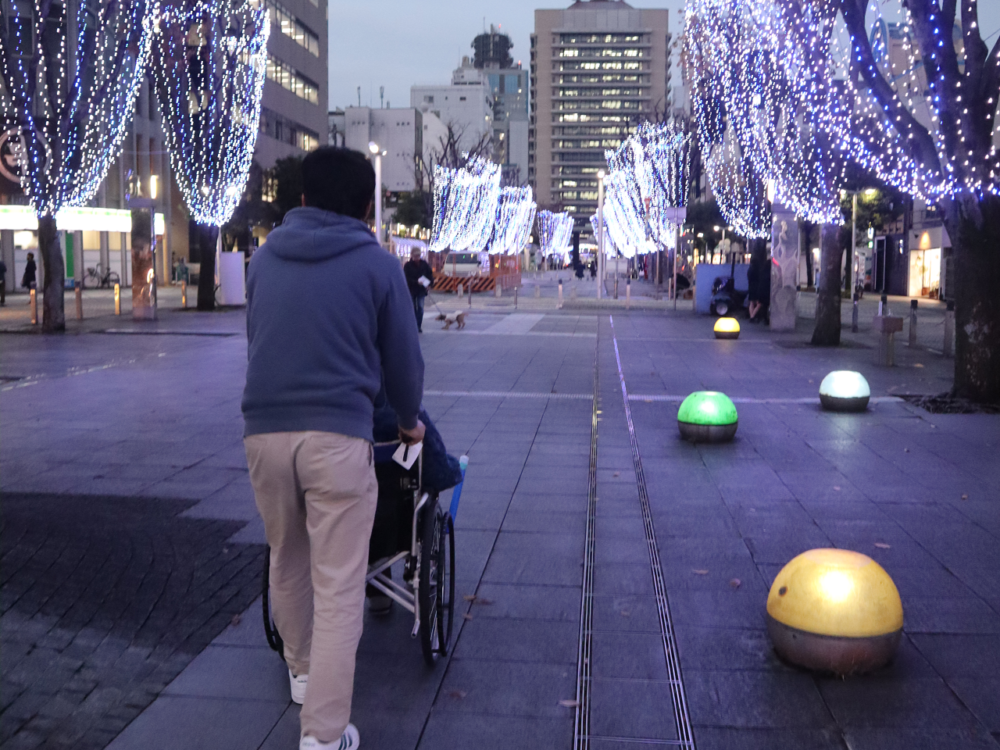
640,709
487,732
183,723
628,655
730,699
721,738
507,689
968,738
535,641
560,603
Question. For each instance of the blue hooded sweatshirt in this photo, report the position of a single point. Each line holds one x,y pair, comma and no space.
328,316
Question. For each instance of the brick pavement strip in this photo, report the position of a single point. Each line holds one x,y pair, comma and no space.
104,601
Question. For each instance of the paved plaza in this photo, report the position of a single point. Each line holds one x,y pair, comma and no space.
131,548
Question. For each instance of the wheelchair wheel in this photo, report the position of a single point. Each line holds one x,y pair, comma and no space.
270,629
436,582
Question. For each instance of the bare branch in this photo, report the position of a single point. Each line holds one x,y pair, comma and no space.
892,107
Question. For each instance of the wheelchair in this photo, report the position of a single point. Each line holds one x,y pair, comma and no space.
410,528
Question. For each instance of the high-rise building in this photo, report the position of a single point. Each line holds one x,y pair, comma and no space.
598,69
293,116
508,92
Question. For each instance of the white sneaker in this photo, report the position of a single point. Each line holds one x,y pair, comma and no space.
298,686
349,740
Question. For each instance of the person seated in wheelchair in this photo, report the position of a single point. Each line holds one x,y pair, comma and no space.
396,487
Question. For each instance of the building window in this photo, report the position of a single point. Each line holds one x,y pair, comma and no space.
269,187
282,129
290,26
288,78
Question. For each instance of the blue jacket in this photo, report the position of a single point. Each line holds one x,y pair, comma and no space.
328,312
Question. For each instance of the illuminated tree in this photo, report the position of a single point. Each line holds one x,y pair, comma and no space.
955,153
465,205
911,97
210,60
71,71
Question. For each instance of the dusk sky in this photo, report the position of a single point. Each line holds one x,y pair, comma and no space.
398,43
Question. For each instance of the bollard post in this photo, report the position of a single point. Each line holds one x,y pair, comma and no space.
515,298
497,292
628,294
78,293
33,301
572,292
184,295
469,287
616,287
854,313
913,323
118,297
949,330
560,294
538,291
459,290
887,326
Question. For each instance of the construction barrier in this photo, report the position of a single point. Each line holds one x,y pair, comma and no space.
444,283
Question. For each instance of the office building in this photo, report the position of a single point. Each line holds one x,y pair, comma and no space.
399,132
293,117
465,104
293,121
507,83
598,69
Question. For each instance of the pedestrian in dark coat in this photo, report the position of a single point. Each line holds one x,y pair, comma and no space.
419,278
28,280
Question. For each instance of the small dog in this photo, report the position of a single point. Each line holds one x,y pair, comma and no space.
453,317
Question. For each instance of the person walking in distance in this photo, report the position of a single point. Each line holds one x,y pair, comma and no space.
329,320
28,280
419,278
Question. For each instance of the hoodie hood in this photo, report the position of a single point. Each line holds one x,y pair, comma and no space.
312,235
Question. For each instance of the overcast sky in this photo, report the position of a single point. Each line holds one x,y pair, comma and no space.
397,43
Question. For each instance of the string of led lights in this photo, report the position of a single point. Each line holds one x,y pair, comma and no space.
555,233
210,61
515,216
792,93
648,174
466,201
71,103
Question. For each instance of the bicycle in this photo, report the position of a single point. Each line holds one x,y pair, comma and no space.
95,279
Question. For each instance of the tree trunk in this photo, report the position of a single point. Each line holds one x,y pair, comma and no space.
207,238
976,245
827,331
53,309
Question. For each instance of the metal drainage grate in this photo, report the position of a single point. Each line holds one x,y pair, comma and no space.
581,724
681,717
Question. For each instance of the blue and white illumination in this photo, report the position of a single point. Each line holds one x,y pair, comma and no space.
210,62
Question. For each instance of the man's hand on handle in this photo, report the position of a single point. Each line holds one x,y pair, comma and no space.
411,437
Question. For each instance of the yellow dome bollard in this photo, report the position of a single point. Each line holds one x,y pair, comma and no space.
843,390
727,328
834,610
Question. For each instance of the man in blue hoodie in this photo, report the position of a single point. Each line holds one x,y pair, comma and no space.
329,319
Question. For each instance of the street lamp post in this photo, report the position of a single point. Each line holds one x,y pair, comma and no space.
855,260
600,234
377,153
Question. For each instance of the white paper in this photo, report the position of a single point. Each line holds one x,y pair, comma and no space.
406,455
424,281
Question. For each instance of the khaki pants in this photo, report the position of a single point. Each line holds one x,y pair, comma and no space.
316,492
